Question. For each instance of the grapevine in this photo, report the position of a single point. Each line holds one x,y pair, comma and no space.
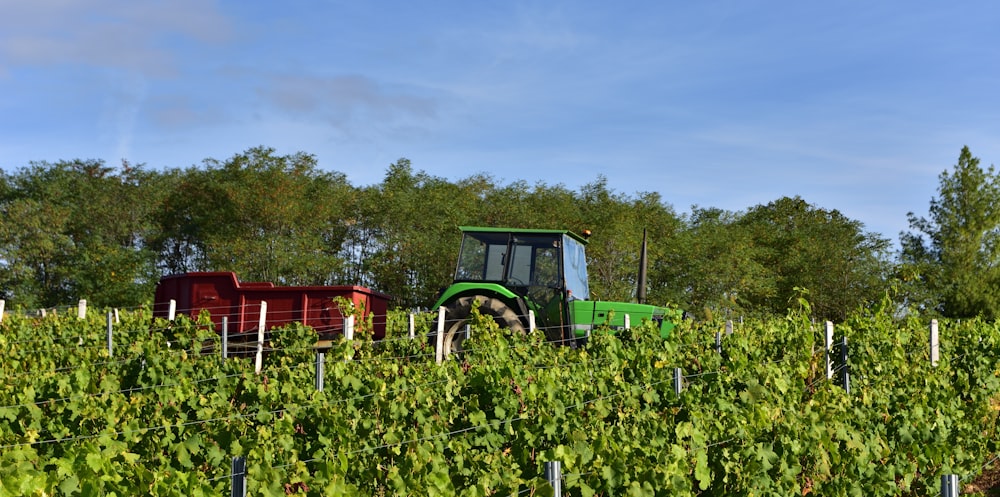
165,414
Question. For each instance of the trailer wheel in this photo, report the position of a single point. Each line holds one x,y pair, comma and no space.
457,316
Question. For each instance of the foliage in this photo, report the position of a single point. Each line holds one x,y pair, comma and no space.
404,236
733,264
165,414
265,216
713,266
955,270
82,230
75,230
617,221
822,250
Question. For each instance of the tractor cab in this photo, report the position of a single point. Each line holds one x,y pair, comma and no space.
530,262
545,268
510,272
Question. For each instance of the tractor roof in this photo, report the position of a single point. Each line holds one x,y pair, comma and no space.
523,231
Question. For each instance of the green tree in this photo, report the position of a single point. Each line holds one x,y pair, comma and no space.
520,205
617,221
406,236
77,229
712,267
955,270
803,246
265,216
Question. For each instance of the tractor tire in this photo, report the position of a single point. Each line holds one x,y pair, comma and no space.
457,316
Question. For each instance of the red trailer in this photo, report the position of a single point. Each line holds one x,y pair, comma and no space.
224,296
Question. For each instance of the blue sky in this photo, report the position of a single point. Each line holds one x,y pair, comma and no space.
855,106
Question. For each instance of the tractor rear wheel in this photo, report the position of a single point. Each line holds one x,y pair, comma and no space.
457,316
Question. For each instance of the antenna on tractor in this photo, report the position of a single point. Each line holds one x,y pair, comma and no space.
640,293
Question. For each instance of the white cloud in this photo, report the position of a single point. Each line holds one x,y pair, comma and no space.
352,104
105,33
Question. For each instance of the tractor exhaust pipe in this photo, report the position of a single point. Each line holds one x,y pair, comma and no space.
640,292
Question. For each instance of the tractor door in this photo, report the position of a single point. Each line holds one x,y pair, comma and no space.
536,270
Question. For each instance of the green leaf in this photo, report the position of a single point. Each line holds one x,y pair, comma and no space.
70,485
701,470
95,461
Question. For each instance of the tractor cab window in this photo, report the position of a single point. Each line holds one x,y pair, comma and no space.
538,263
534,269
482,257
575,269
535,261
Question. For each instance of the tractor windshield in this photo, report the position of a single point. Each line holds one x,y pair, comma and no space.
575,262
482,257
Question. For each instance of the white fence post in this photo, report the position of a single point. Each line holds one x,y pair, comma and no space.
349,335
2,304
81,309
829,350
935,343
349,327
628,322
413,327
439,345
531,321
729,327
225,337
110,331
172,312
844,366
320,361
259,363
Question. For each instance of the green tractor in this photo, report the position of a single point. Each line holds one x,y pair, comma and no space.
509,272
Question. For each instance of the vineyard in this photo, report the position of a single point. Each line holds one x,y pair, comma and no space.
157,410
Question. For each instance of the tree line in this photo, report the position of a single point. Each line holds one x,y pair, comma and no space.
84,229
